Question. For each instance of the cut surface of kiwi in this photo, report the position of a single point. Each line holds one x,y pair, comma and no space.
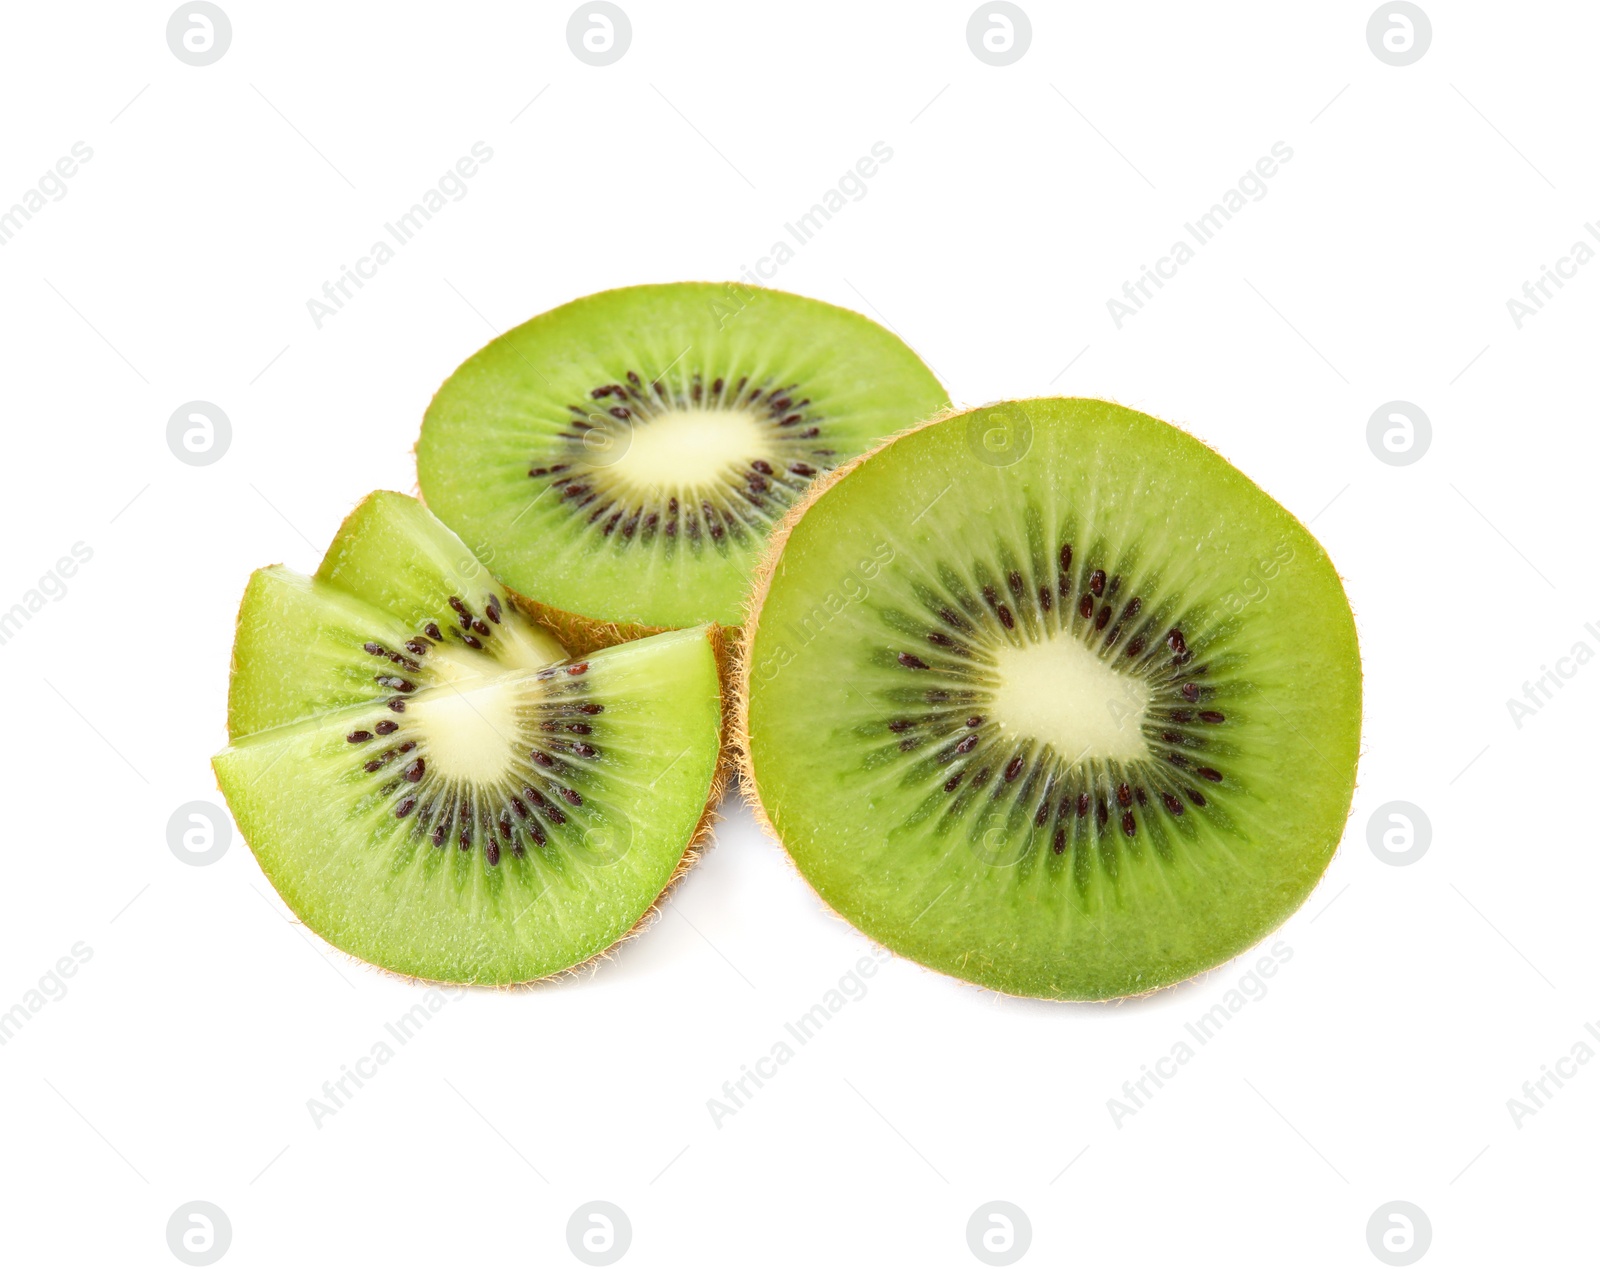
427,781
398,603
1050,697
623,458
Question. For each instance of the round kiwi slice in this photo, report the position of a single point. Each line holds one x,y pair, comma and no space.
428,791
621,459
1072,715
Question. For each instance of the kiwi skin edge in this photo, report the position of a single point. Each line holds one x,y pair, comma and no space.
737,745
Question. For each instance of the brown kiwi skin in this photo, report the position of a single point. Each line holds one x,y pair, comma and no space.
737,744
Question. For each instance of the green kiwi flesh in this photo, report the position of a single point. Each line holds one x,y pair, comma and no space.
431,786
398,599
1072,716
623,457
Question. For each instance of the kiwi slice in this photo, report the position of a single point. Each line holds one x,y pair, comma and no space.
1074,717
432,787
399,603
622,459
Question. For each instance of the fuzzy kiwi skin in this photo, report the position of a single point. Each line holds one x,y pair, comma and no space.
1145,968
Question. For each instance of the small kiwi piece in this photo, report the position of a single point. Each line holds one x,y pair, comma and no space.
1050,697
433,786
398,604
621,459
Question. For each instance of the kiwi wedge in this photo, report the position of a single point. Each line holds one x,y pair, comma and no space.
621,459
432,785
1050,697
399,603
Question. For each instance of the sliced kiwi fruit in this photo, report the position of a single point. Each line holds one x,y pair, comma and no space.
433,786
1050,697
621,459
398,604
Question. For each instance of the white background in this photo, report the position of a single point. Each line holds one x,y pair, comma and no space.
1018,200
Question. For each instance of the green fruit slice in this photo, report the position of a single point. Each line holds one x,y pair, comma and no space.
623,457
495,831
1050,697
398,600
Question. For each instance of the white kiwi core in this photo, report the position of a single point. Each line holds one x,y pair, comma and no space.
1062,694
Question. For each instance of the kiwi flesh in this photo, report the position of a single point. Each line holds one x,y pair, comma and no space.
1078,720
620,460
433,786
398,603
